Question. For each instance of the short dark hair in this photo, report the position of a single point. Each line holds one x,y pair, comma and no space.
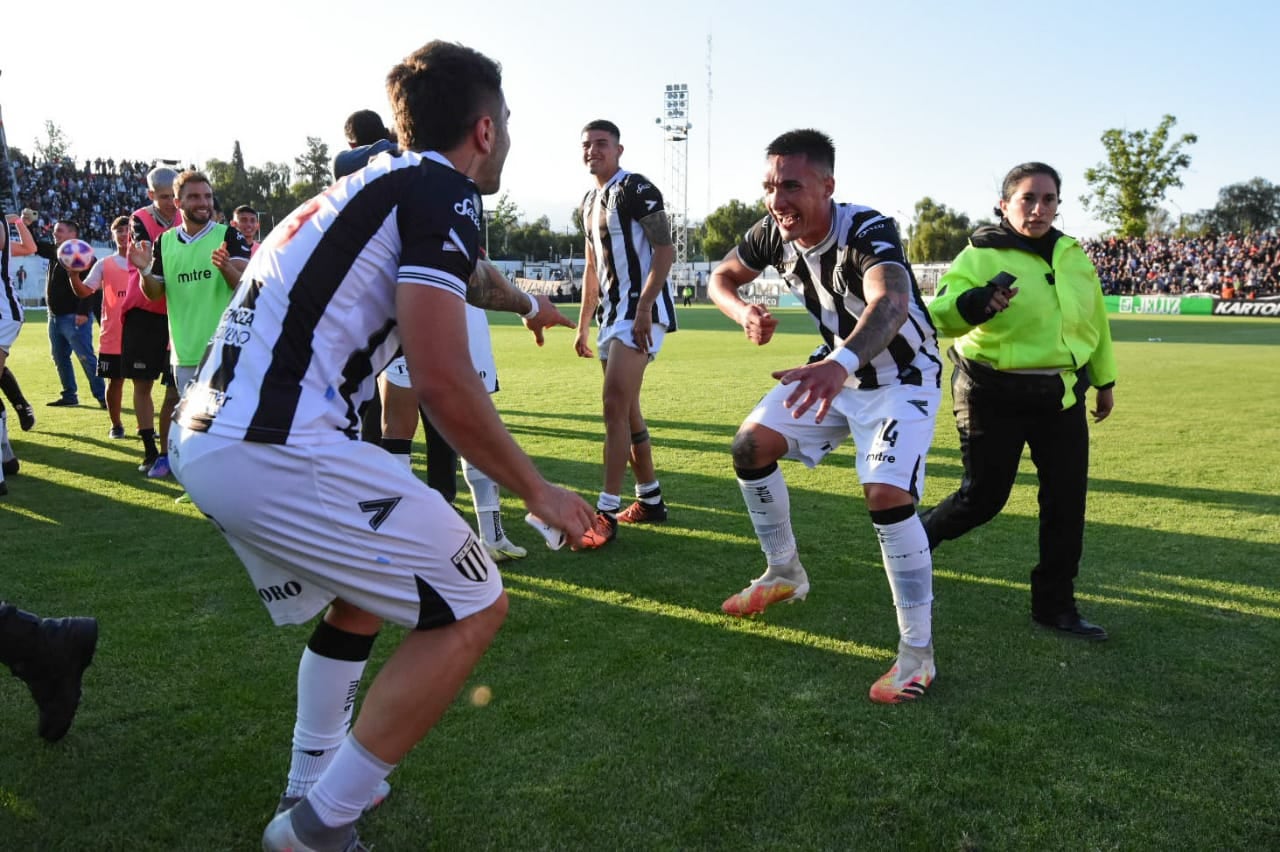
1021,172
437,93
119,221
364,127
70,223
605,125
814,145
244,208
190,176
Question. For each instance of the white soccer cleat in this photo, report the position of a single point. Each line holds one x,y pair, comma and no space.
554,537
778,584
505,550
910,677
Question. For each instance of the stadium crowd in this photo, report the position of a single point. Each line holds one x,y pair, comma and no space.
1228,265
1246,266
92,195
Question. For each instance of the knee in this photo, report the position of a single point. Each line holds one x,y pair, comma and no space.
752,451
883,498
352,619
617,407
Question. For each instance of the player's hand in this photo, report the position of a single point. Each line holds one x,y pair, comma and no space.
548,315
642,328
220,257
141,254
1000,299
1105,401
564,510
81,319
582,348
818,382
758,324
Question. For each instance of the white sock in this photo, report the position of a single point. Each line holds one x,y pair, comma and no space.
649,492
904,547
485,498
609,503
326,701
339,797
769,505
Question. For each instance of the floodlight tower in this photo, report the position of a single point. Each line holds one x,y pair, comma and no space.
675,126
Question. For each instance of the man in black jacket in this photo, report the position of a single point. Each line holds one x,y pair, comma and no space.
70,322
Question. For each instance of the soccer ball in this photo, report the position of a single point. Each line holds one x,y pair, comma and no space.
75,255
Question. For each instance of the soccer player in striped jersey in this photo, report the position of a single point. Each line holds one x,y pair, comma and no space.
267,439
629,255
10,325
879,384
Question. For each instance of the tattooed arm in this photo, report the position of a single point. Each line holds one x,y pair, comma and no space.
887,288
888,292
657,229
488,288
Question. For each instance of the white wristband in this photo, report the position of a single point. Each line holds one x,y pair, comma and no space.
533,312
845,358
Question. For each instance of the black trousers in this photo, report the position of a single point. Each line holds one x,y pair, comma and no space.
997,414
442,459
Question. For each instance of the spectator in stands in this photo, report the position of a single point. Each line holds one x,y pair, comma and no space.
1196,264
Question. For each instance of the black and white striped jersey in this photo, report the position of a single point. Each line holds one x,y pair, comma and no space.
611,218
828,279
313,320
10,305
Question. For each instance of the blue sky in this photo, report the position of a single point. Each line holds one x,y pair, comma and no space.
923,98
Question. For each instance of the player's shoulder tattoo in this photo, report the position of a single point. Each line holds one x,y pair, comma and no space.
657,228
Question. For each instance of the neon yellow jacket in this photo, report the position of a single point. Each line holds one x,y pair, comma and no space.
1057,320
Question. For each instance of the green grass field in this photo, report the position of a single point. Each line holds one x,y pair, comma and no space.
628,713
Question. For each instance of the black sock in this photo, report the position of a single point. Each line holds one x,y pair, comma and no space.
148,437
9,384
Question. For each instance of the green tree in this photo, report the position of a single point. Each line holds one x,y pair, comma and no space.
937,234
498,225
1246,207
313,168
56,147
725,226
1141,166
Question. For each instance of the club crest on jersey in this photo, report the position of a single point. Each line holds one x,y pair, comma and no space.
469,207
470,561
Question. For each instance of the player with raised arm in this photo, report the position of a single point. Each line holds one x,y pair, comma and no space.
878,384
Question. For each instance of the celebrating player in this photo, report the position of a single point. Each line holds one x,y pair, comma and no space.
382,260
629,254
879,383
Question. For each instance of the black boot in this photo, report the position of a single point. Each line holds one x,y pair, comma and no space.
50,656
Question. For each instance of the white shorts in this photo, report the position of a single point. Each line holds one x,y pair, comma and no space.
9,329
892,428
481,346
345,520
621,331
